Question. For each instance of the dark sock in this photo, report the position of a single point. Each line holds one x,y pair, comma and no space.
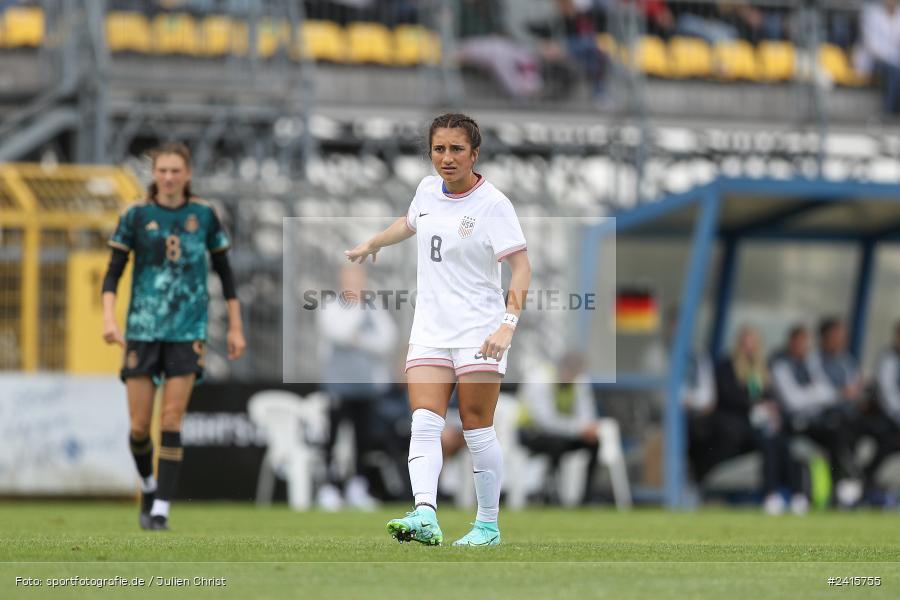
170,455
142,451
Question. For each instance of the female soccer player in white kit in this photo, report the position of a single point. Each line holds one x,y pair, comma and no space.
462,328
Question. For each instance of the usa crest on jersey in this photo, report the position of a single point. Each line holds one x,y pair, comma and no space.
466,226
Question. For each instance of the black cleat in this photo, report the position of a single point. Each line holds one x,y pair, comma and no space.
159,523
146,505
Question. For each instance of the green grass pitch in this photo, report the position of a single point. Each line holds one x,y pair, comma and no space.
556,554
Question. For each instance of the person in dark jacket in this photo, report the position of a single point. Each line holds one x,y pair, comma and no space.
814,409
885,418
749,419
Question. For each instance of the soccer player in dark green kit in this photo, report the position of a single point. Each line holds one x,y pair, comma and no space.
170,234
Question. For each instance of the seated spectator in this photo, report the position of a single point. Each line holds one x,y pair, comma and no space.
485,43
559,416
658,18
578,20
701,19
747,419
842,371
340,11
387,12
880,52
839,366
752,23
727,20
885,422
814,410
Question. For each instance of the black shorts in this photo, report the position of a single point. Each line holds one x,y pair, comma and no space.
158,359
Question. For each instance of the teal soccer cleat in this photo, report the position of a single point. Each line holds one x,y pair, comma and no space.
482,534
419,526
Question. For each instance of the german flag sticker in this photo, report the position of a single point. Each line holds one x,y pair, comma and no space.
637,311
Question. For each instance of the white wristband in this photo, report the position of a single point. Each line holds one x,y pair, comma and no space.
510,319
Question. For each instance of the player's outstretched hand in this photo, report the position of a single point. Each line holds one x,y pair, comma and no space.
112,335
236,344
497,343
360,253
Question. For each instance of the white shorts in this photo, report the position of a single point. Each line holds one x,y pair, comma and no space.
461,360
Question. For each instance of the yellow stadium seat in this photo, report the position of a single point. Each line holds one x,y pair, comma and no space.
834,61
127,32
777,60
175,33
606,42
736,60
369,43
23,27
652,56
690,57
271,36
324,40
416,45
219,36
240,37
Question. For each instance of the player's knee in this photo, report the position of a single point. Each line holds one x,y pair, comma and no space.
140,426
140,430
474,419
171,420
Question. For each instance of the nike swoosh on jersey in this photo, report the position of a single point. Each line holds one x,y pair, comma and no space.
422,214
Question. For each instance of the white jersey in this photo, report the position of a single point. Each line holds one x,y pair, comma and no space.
461,240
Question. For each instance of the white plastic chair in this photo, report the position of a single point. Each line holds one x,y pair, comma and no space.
613,458
609,455
292,426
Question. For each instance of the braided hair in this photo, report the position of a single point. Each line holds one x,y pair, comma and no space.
452,121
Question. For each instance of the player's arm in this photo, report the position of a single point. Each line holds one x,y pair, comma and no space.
520,267
235,339
497,343
398,231
117,261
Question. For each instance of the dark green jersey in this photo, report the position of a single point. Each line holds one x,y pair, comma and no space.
168,290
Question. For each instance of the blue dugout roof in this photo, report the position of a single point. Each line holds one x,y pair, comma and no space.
799,209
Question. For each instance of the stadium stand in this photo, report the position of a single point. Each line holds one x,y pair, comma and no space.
216,35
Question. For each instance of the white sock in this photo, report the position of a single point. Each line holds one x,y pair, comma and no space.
487,464
425,455
148,484
160,508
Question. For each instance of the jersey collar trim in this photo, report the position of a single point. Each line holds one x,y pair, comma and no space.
463,194
170,208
